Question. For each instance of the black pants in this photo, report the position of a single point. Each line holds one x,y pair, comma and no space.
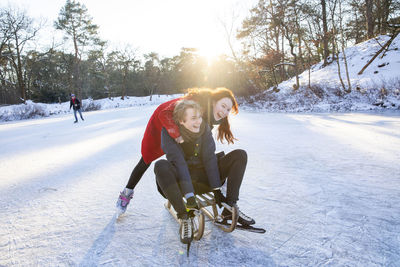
231,166
137,173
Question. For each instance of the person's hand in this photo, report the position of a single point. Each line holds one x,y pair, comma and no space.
191,203
219,197
179,140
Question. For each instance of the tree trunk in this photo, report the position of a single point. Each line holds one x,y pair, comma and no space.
283,72
347,71
343,52
385,15
295,63
309,71
76,79
325,29
357,29
339,72
76,69
379,16
18,69
124,82
299,38
369,17
377,53
334,32
301,53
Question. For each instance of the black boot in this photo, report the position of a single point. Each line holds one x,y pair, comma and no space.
243,218
186,229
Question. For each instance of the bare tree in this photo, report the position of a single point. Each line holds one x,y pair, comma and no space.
20,30
126,59
5,36
384,9
290,26
5,31
229,33
152,73
229,30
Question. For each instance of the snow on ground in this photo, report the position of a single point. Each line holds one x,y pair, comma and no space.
379,73
325,186
37,110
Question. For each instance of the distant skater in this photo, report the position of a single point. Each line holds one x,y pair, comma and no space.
76,104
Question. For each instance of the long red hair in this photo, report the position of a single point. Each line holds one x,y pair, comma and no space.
206,97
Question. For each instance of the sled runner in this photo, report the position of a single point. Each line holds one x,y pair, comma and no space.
207,207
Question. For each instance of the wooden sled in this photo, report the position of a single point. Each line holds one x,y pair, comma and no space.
207,207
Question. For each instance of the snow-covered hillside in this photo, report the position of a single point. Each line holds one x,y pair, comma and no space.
378,87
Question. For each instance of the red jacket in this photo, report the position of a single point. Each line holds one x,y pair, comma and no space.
151,142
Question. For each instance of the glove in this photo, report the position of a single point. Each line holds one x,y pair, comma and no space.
219,197
179,140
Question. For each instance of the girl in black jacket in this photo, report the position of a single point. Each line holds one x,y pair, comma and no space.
192,167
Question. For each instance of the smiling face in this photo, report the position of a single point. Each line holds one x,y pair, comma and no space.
192,120
222,108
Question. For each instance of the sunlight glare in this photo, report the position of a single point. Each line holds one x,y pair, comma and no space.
209,55
38,162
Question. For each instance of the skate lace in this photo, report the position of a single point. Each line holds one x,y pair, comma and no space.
187,228
244,216
125,199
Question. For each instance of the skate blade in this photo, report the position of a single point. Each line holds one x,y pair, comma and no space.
118,212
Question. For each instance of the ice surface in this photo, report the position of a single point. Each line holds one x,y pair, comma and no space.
325,186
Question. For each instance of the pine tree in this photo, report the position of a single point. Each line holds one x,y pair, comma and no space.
78,26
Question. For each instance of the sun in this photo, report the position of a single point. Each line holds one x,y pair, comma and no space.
210,54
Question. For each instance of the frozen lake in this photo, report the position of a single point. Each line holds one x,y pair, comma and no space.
325,186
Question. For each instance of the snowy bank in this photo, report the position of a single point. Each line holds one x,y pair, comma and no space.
36,110
377,88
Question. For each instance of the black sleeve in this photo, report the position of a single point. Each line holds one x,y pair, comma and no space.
210,159
175,155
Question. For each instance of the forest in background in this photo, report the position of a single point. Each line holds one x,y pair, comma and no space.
280,39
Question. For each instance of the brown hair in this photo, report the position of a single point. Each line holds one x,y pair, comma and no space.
180,109
205,97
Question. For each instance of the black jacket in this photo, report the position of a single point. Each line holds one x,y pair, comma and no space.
75,106
187,156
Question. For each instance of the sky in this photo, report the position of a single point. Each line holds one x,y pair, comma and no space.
161,26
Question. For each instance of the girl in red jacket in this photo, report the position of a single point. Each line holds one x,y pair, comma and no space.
216,104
